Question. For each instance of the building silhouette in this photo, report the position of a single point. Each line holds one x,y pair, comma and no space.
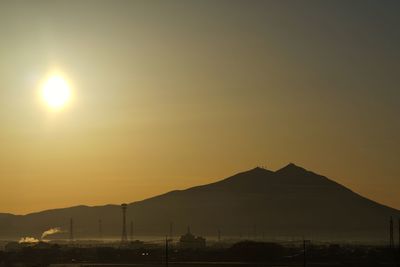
190,241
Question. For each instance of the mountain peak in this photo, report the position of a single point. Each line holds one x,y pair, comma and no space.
255,171
291,167
259,169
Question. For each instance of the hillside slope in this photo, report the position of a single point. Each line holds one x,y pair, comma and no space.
291,202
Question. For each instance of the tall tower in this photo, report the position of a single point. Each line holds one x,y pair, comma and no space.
124,238
71,230
391,239
100,230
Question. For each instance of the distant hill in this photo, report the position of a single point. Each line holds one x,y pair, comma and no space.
289,203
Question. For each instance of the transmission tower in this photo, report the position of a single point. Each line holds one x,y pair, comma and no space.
124,237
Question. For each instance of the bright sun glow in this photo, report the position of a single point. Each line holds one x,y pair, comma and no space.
56,92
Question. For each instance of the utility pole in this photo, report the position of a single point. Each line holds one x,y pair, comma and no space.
304,254
399,242
305,251
166,251
124,237
399,233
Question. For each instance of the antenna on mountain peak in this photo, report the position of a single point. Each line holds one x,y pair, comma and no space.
261,167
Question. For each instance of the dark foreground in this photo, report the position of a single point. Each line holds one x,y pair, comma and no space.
246,253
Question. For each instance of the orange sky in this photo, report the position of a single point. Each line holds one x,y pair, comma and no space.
172,94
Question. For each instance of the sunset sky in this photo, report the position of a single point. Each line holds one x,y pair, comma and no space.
170,94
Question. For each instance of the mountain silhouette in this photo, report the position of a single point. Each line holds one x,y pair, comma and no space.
289,203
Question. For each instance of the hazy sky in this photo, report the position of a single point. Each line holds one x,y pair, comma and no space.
171,94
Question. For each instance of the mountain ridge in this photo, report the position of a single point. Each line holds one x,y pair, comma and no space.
290,165
291,201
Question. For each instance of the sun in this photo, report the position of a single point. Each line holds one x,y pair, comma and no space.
56,92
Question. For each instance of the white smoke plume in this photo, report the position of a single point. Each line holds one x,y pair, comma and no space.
28,239
51,231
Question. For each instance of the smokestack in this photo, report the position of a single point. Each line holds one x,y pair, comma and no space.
124,238
71,230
